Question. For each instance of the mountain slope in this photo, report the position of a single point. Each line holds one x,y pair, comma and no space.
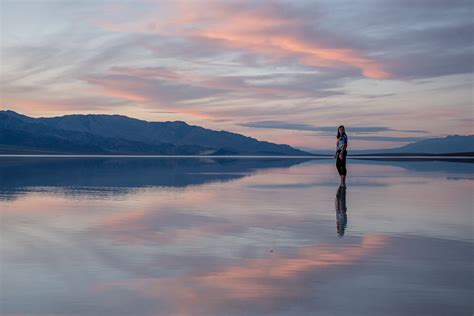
445,145
19,133
178,133
449,144
114,134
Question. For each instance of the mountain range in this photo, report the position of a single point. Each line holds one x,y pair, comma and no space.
452,144
118,134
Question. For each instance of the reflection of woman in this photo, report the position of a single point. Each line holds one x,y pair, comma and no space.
341,154
341,211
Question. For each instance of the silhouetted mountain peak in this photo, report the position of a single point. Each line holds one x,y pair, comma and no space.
178,123
14,114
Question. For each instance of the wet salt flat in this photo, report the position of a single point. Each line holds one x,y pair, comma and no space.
203,236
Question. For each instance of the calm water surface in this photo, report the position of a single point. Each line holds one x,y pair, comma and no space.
183,236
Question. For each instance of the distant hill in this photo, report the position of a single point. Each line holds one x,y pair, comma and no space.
436,146
449,144
117,134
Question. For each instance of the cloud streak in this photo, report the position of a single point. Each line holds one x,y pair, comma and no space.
325,129
278,32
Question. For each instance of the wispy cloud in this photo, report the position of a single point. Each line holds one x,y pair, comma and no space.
276,31
396,139
324,129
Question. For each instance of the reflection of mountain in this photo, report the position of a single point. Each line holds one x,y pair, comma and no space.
121,173
464,166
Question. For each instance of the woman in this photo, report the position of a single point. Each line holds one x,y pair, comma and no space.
341,154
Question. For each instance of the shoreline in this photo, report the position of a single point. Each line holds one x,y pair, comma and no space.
242,156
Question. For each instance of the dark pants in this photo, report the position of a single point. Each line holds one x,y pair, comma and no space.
341,164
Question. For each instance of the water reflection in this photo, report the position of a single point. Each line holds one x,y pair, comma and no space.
118,175
232,237
267,285
341,211
440,165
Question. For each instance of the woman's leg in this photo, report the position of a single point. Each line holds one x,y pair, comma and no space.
343,171
340,169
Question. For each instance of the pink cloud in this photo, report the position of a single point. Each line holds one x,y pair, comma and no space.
268,30
163,88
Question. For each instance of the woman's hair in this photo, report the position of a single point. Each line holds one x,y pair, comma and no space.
338,134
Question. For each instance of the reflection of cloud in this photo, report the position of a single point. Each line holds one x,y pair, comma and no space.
169,225
259,282
166,226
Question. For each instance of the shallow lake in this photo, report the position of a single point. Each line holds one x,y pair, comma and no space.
207,236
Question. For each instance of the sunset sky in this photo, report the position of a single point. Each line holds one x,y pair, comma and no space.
391,71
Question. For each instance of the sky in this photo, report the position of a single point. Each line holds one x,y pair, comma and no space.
391,71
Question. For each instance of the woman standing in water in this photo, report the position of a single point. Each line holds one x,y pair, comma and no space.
341,154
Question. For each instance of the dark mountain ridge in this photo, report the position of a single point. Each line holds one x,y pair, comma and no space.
118,134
